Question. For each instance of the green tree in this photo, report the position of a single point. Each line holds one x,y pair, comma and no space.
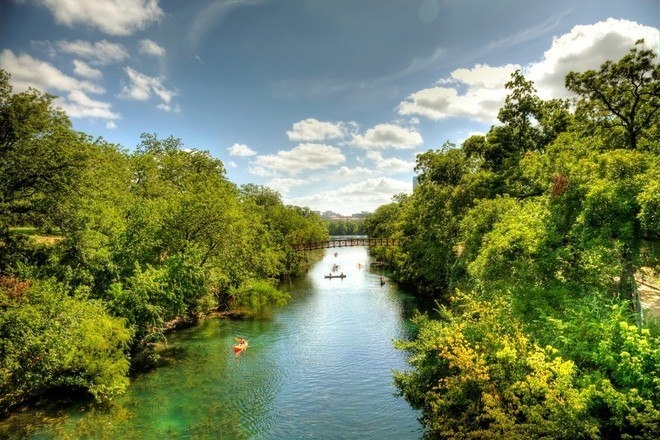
41,157
623,94
543,221
50,339
478,375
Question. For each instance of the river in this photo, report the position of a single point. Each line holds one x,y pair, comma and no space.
318,368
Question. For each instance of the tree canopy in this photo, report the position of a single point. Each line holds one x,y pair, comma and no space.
531,237
145,238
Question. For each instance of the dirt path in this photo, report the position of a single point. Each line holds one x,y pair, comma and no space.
649,294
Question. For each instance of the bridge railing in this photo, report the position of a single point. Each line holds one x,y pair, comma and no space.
345,242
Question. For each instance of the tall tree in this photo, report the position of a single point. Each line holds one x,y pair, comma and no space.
624,94
41,156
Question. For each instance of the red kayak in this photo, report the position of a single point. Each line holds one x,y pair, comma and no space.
238,348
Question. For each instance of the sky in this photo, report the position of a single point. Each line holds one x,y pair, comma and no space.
327,102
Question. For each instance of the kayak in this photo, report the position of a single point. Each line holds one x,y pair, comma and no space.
335,276
240,347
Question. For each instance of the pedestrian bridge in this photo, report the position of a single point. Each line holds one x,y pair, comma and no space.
345,242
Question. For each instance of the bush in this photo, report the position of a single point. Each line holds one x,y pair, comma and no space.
49,340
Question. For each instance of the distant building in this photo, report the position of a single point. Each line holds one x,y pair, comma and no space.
360,215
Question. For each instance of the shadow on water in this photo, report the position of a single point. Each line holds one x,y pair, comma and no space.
320,367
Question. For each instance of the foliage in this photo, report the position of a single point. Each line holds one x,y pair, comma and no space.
50,339
147,238
345,227
544,221
478,375
41,157
623,94
253,295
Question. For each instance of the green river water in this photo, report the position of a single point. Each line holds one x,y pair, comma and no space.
318,368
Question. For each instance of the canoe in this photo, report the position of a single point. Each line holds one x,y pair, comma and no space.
335,276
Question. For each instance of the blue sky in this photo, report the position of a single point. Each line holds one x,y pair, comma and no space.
326,101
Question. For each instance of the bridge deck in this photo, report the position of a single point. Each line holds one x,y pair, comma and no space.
345,242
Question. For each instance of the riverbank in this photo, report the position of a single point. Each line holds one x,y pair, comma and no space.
300,377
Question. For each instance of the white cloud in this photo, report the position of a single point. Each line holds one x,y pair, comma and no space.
113,17
241,150
356,197
476,93
357,171
388,136
314,130
479,93
392,164
83,69
169,108
143,87
149,47
110,125
27,71
78,105
284,185
585,48
260,171
101,53
301,158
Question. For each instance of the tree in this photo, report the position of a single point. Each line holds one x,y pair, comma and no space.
478,375
622,94
41,157
51,339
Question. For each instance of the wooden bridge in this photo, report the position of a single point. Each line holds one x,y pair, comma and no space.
345,242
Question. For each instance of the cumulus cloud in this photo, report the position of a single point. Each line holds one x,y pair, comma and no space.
366,195
349,172
78,105
143,87
476,93
28,72
390,165
100,53
83,69
149,47
260,171
388,136
241,150
303,157
584,48
113,17
314,130
284,185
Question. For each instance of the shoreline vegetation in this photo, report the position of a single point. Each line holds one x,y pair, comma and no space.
103,250
528,238
536,240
